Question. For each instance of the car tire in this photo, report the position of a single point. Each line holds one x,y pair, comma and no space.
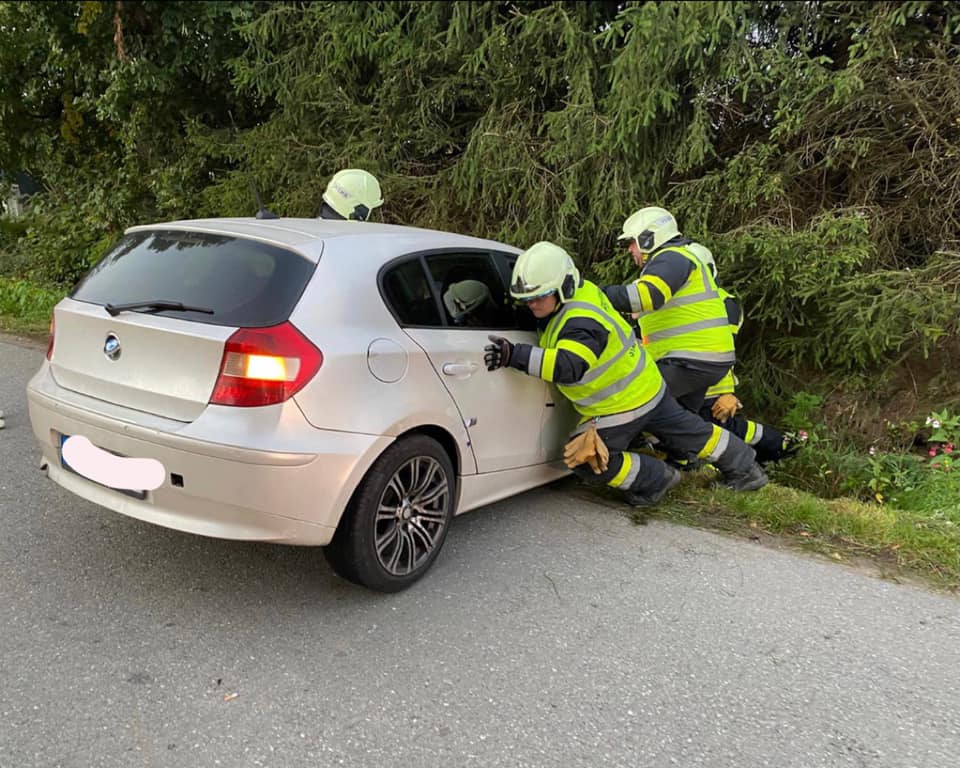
398,518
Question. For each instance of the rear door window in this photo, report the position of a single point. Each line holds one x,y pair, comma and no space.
471,291
245,282
454,289
409,296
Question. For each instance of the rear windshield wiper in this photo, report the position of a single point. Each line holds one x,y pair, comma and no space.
154,306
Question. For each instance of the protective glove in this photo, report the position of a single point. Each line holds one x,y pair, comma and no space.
725,407
587,448
601,453
497,355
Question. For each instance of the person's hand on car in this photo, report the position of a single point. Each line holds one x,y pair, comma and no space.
497,354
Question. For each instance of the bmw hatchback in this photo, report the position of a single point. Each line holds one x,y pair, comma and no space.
298,381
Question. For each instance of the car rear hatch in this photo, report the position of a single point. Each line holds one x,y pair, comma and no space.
165,361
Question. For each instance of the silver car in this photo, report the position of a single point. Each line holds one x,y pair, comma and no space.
299,381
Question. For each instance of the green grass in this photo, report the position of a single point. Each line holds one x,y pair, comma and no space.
910,542
900,543
26,307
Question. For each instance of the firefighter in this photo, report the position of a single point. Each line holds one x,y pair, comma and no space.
352,194
677,305
590,352
721,404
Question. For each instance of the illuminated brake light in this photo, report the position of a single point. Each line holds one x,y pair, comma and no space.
272,368
264,366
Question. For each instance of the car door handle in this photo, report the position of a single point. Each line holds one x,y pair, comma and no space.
459,369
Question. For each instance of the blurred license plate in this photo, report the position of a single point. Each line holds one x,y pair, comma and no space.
66,466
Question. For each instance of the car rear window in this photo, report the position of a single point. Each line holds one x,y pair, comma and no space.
245,282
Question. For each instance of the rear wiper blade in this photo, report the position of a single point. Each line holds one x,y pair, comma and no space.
154,306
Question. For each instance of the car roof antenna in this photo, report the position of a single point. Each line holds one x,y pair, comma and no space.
262,213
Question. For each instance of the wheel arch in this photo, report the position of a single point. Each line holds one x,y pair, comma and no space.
446,440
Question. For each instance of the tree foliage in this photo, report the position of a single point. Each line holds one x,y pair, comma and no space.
97,101
812,145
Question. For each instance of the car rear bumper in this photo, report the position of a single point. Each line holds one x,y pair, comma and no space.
227,491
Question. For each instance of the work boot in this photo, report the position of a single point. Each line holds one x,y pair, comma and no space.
789,447
751,480
649,499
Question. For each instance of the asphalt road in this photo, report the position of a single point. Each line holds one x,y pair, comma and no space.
551,632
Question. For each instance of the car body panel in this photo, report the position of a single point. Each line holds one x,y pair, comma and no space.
163,365
227,491
345,394
286,472
479,490
504,410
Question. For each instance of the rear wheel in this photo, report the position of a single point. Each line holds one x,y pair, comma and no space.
398,518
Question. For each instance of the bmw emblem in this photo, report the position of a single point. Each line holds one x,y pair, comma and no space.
111,347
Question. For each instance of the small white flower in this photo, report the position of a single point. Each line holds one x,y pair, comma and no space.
929,421
873,450
936,424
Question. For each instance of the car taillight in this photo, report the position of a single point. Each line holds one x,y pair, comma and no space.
263,366
50,342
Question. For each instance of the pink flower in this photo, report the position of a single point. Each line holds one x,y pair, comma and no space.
948,448
932,452
802,434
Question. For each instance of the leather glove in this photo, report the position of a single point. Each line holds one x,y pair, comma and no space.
587,448
497,354
725,407
601,453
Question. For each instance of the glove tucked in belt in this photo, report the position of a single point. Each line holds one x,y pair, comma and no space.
587,448
725,407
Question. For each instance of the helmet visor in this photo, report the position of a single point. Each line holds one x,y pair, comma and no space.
533,297
644,240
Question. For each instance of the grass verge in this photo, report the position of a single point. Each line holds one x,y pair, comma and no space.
898,543
25,307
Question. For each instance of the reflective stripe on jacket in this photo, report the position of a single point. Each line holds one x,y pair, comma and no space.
728,384
622,378
692,323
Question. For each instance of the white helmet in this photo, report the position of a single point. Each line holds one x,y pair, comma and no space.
651,227
542,269
703,253
353,193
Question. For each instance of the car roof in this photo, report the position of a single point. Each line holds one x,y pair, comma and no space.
297,233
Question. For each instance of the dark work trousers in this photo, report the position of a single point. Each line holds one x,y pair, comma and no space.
764,439
689,380
681,432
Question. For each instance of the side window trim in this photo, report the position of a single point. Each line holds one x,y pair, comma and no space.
525,320
502,259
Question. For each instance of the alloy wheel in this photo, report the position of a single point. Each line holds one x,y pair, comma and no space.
411,515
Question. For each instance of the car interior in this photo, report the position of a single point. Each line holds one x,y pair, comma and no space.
417,301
